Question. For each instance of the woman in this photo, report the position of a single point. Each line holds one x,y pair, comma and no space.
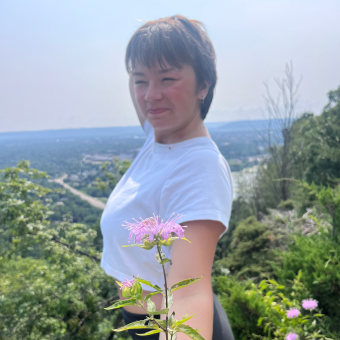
171,63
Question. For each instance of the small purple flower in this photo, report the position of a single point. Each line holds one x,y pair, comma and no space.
293,313
147,229
292,336
127,283
309,304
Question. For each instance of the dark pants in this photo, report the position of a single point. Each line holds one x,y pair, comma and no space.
221,326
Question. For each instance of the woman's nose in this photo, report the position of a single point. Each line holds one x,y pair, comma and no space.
153,93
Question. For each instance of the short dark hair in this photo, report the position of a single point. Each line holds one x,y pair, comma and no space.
177,41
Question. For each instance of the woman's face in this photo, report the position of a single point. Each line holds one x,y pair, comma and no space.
167,97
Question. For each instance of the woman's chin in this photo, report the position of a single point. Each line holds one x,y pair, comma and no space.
160,125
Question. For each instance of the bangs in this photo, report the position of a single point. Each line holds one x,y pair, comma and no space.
176,41
159,43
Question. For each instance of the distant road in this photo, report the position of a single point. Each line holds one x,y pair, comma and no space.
93,201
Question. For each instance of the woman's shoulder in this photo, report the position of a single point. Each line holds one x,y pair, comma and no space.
204,153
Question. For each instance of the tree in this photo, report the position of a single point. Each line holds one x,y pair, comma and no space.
316,144
60,295
277,167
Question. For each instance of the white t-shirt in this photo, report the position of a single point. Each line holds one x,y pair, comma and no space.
191,178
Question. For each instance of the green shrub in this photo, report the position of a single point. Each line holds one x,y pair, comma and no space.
249,249
318,259
260,312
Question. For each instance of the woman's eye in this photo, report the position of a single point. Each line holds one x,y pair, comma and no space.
139,82
168,79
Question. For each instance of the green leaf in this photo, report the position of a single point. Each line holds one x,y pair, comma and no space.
259,322
122,303
170,299
134,325
171,240
147,247
159,258
150,333
319,315
159,289
184,283
151,307
184,320
149,295
162,311
165,261
190,332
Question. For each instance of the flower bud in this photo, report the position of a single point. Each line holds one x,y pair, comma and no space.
131,288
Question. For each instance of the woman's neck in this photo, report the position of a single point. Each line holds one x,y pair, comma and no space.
193,129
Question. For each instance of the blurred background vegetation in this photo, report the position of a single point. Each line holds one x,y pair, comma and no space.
285,227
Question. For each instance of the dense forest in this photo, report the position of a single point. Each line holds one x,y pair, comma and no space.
282,246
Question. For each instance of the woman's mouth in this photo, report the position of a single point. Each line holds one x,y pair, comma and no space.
157,111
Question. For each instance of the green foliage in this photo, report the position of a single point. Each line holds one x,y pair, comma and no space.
325,199
249,249
286,205
63,293
316,144
111,179
317,258
240,211
260,312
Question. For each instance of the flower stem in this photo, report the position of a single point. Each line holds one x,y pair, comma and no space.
166,294
150,315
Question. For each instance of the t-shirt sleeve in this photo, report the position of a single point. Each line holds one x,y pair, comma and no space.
199,188
148,129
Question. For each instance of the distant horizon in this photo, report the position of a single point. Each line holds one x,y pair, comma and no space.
124,126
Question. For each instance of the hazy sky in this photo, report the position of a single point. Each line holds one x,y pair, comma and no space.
62,61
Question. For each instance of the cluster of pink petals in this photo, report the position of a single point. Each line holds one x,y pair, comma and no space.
309,304
148,228
127,283
292,336
293,313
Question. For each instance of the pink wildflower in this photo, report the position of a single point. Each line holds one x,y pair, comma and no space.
293,313
309,304
127,283
147,229
292,336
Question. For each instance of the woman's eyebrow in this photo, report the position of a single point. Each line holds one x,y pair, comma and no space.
138,74
165,70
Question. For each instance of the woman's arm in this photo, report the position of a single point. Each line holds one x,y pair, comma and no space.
132,93
192,260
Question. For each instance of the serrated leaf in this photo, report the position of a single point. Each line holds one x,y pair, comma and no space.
149,295
148,283
190,332
134,325
184,320
151,307
156,331
122,303
184,283
162,311
170,299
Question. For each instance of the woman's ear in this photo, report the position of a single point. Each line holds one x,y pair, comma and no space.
202,93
